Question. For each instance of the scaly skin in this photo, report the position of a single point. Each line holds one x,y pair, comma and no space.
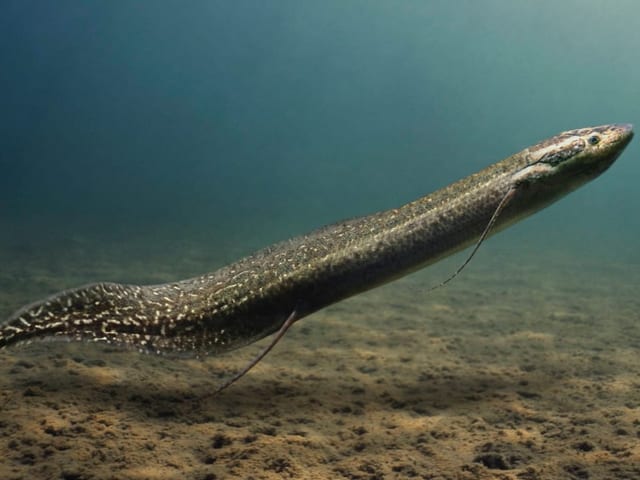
251,298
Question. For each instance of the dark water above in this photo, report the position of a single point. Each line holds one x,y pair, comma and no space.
249,123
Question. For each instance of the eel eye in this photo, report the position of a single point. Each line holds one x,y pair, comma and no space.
594,140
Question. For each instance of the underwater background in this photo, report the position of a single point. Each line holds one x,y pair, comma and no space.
254,121
147,142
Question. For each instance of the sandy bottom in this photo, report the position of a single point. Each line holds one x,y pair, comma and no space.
519,369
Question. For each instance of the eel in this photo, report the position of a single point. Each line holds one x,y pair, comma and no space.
266,292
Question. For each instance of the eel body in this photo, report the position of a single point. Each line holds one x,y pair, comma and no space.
251,298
